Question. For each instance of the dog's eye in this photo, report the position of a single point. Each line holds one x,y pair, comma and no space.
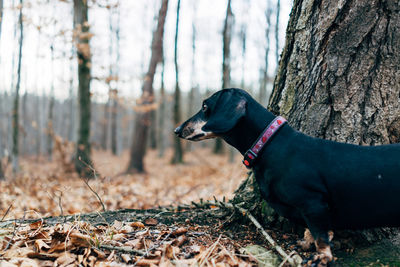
204,108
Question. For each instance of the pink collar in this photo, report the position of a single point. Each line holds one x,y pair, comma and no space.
251,154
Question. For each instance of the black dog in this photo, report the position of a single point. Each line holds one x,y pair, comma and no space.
324,184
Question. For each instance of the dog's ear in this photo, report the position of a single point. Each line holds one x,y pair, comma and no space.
227,112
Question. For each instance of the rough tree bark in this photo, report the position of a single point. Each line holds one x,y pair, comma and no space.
339,76
15,111
140,134
83,161
226,67
178,151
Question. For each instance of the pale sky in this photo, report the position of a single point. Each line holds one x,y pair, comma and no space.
137,22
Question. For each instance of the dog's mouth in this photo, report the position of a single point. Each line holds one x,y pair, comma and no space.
197,137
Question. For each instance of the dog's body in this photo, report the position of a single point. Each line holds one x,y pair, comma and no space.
323,184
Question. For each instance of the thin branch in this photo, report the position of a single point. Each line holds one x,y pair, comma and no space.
14,232
7,211
293,261
124,249
153,248
86,181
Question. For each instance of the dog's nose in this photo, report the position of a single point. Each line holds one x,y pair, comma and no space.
178,130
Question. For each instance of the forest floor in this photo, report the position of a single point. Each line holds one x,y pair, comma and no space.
44,189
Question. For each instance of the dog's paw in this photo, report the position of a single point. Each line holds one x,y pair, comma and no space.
305,245
317,260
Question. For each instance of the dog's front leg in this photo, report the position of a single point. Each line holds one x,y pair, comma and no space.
317,218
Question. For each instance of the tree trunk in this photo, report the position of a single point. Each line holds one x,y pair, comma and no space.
50,128
226,67
338,76
178,151
264,82
278,11
114,122
339,79
1,15
161,115
104,121
194,85
3,135
83,163
15,112
2,177
71,101
140,134
153,130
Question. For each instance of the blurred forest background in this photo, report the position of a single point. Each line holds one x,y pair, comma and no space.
94,85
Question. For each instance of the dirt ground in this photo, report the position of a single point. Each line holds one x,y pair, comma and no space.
44,189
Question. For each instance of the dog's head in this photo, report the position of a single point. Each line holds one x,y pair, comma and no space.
218,115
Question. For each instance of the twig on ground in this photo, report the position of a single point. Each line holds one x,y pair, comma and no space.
209,251
86,181
293,261
124,249
58,201
7,211
152,248
14,232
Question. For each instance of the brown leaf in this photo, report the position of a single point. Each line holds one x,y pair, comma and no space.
22,262
65,259
137,224
40,245
151,222
36,225
81,240
134,243
43,256
146,262
126,258
171,252
180,240
100,254
179,231
18,252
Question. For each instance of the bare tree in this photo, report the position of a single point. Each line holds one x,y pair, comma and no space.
139,138
2,176
278,11
161,114
83,162
178,151
114,77
50,115
15,112
194,87
1,15
71,100
264,81
226,67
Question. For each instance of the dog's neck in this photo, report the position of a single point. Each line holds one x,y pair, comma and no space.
249,128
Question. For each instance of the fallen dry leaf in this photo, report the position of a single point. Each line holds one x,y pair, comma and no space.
151,222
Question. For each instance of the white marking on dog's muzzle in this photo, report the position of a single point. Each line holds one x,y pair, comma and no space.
198,134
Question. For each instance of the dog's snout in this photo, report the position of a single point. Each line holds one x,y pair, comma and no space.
178,130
